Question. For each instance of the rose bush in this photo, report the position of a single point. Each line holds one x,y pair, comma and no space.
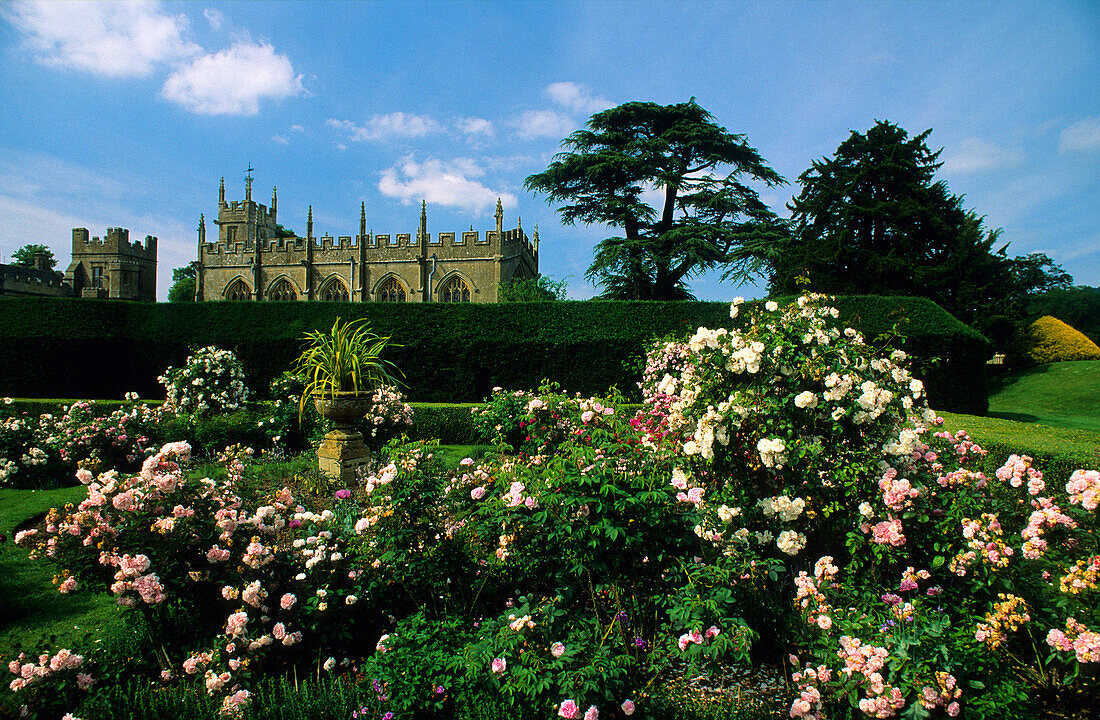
211,381
40,450
787,482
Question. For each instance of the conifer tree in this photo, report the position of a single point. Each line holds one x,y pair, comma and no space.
705,215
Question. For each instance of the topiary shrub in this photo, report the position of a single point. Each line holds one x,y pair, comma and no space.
1051,340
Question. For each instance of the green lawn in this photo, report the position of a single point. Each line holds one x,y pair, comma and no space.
30,606
1063,394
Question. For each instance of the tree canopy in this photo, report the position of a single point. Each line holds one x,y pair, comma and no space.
872,219
540,289
24,256
675,183
183,284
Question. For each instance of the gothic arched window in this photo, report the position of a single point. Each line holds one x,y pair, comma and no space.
238,290
391,291
334,291
282,291
455,290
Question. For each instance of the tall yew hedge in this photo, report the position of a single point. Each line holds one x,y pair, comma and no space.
51,347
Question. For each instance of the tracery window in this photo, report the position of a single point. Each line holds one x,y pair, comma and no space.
334,291
455,290
238,290
391,291
282,291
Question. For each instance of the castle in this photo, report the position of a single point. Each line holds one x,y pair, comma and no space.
255,258
109,268
113,267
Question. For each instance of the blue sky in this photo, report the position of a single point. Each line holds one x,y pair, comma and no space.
128,114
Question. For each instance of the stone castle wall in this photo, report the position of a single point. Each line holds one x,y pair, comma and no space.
20,281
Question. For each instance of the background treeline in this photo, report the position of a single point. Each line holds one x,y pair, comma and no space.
449,353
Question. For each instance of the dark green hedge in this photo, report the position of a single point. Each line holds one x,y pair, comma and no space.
450,353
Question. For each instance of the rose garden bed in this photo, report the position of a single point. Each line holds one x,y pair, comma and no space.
784,500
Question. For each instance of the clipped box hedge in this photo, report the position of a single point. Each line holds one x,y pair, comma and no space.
73,347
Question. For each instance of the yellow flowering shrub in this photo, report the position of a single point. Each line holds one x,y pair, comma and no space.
1051,340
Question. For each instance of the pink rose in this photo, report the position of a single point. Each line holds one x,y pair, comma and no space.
628,707
592,713
499,665
568,710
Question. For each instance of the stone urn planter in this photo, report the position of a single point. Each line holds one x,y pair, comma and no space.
343,452
340,369
343,408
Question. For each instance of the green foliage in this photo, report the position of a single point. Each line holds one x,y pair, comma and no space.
540,289
707,215
215,433
450,353
1078,307
183,285
872,219
345,359
24,256
450,423
1051,340
502,417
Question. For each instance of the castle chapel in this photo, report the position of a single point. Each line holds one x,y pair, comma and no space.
255,258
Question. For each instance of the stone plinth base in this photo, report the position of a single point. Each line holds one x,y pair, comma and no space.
341,454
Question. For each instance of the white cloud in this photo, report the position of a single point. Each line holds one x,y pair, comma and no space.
215,17
576,97
975,155
233,81
108,39
450,184
475,126
297,128
1081,136
544,123
385,127
281,139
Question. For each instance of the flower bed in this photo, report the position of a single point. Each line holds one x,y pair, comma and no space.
785,494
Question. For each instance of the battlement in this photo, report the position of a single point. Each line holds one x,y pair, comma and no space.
17,280
518,237
371,241
116,241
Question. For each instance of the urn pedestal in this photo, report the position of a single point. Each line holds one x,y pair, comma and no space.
343,452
